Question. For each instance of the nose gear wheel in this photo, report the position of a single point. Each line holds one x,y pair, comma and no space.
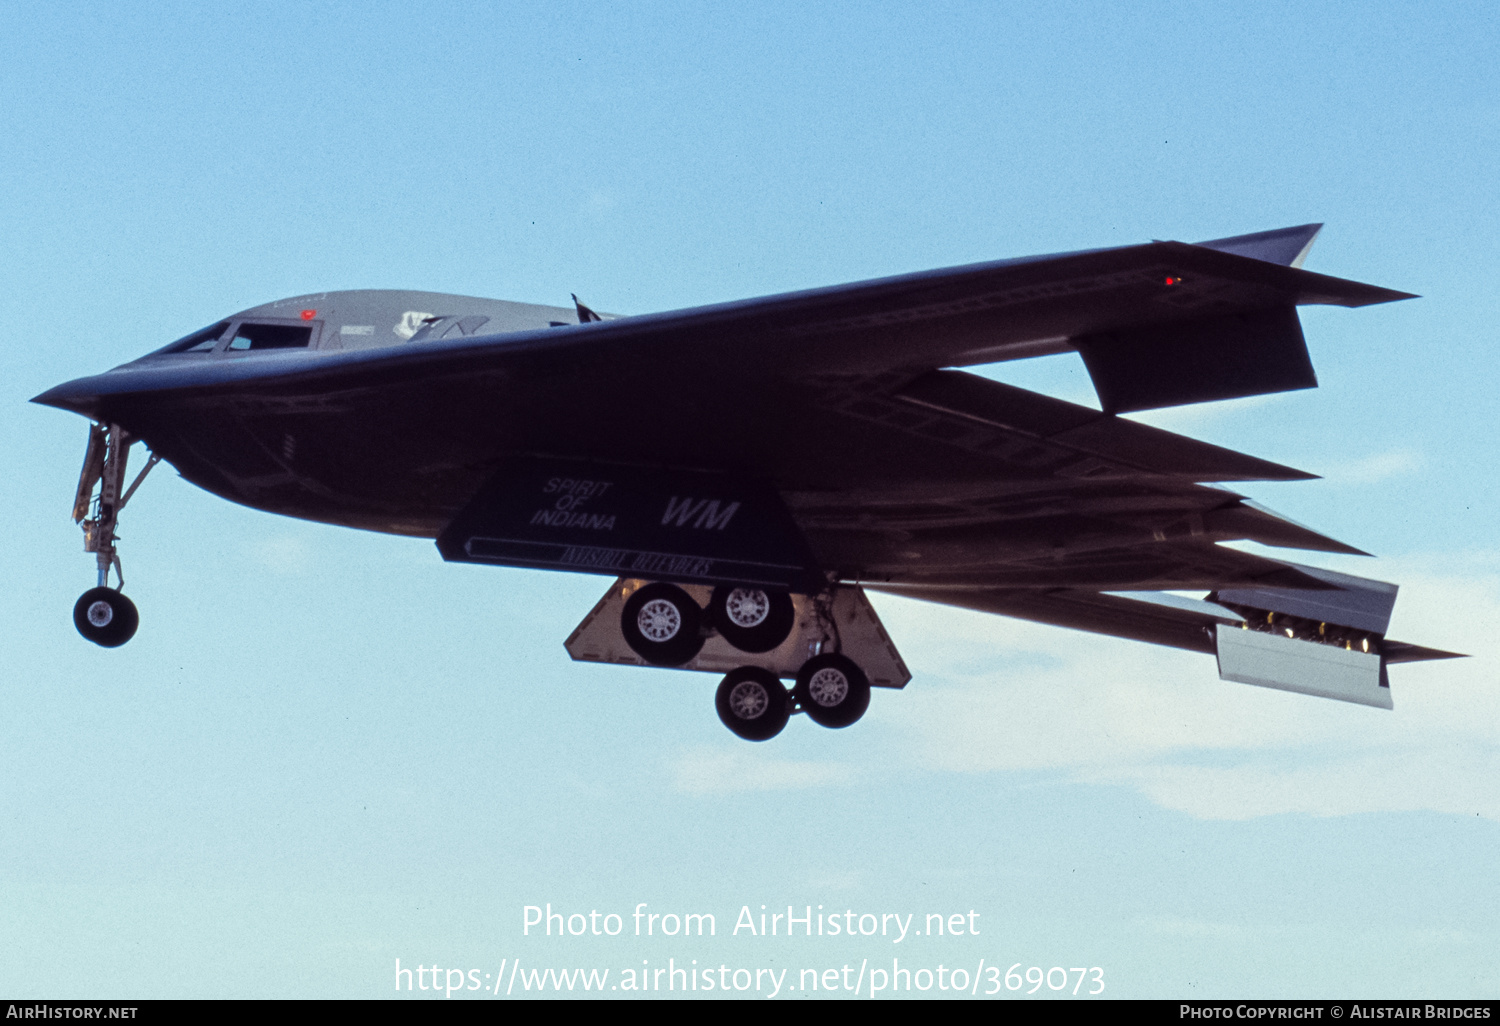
105,617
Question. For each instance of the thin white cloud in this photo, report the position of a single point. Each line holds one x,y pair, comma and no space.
599,201
1407,778
1381,466
1197,416
708,771
284,555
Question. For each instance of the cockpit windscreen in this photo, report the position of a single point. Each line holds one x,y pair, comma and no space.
199,341
250,336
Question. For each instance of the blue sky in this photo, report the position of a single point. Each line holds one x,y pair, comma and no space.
327,750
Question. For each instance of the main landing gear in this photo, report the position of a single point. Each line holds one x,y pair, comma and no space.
752,703
103,614
830,688
665,626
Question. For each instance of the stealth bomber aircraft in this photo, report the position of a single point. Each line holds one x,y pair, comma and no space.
745,471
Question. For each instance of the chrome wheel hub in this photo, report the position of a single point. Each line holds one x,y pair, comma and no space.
659,620
828,687
747,607
748,699
101,613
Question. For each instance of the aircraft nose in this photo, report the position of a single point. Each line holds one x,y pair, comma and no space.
77,396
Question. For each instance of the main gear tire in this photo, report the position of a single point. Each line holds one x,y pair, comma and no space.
751,618
105,617
832,690
663,625
753,703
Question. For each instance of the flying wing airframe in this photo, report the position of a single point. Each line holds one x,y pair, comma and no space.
745,471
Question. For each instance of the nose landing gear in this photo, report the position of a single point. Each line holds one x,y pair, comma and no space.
102,614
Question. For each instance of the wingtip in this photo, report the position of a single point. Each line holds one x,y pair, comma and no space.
1286,246
1405,652
1314,231
1284,473
1267,470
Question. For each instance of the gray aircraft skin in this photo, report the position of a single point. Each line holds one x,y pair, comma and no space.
789,446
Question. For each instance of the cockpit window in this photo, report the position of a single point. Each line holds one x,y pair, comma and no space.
269,336
199,341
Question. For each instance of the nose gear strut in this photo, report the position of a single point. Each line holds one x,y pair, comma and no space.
102,614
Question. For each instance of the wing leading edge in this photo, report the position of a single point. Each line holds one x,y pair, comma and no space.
1130,307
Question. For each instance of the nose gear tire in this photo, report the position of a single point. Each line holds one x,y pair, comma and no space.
753,703
751,618
663,625
105,617
832,690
